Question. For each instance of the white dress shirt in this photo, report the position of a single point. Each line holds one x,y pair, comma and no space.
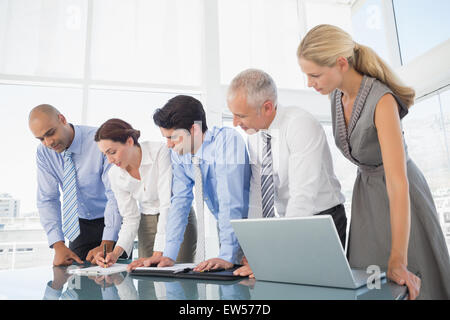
304,180
150,195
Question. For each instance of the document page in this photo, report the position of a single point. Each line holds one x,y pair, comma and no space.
98,270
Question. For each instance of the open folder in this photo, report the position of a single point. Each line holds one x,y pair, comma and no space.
185,270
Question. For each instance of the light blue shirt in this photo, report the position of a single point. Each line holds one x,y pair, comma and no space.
225,168
94,196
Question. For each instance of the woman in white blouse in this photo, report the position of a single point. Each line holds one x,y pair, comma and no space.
141,180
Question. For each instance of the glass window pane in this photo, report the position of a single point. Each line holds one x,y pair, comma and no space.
425,138
369,28
444,202
43,37
20,166
135,107
434,26
153,41
18,170
319,12
260,34
445,107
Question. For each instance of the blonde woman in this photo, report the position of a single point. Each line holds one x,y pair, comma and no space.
394,221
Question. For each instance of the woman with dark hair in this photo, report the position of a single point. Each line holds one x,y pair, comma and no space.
141,181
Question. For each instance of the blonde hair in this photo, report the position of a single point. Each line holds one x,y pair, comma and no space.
324,44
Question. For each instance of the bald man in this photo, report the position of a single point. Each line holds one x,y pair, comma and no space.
69,160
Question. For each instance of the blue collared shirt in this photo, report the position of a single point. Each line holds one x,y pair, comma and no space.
94,195
225,168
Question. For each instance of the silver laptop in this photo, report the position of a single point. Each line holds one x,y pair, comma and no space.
303,250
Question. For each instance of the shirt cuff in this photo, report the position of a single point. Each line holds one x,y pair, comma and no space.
160,240
50,293
126,290
229,253
125,245
110,293
110,234
55,236
171,250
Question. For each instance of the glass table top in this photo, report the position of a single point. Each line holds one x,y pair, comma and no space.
55,283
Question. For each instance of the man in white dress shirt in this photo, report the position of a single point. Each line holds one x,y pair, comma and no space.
292,168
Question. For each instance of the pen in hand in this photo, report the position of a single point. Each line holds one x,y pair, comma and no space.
104,256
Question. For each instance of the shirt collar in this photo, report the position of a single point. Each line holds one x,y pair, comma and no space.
209,136
145,150
75,146
276,121
275,125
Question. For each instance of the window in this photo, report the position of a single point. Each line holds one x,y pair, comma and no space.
93,60
337,13
445,108
18,165
426,130
260,34
373,26
42,38
434,26
135,107
157,41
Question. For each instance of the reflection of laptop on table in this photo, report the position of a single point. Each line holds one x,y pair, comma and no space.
304,250
265,290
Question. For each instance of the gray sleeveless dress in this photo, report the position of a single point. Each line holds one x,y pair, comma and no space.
370,233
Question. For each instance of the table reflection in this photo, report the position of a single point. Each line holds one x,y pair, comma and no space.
124,286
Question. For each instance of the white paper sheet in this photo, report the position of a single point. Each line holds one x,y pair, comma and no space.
98,270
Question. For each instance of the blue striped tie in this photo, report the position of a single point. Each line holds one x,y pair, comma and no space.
71,227
199,207
267,188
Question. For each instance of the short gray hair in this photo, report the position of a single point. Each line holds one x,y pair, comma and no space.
258,86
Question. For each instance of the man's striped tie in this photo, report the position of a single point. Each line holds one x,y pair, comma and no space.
199,207
71,226
267,188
